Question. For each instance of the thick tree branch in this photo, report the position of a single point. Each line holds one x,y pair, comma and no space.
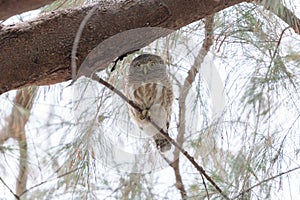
9,8
39,52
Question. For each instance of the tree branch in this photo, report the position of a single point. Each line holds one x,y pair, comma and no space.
131,185
49,180
19,116
207,43
10,190
15,128
39,52
266,180
178,178
9,8
289,17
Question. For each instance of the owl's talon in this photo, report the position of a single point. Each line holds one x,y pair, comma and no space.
162,144
145,114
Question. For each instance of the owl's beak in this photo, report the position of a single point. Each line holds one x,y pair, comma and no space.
145,70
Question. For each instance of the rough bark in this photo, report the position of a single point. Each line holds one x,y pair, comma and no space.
39,52
9,8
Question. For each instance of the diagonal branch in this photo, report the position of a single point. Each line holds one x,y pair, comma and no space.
284,13
266,180
163,133
49,180
10,190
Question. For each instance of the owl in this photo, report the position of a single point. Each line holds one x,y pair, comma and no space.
148,85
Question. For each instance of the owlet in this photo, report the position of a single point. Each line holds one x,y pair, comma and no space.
149,87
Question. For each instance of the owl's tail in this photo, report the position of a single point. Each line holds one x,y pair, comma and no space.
162,144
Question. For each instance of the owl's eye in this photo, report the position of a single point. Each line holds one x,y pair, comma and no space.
151,64
138,64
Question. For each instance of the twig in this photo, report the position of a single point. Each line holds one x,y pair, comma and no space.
60,5
163,133
15,128
16,196
277,46
264,181
23,163
284,13
192,73
120,94
131,184
179,182
49,180
205,187
76,41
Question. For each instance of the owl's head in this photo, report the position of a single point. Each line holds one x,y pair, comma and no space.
146,63
147,59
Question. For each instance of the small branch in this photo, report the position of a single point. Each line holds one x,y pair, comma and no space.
3,136
49,180
77,39
277,46
205,187
266,180
207,43
16,196
163,133
131,184
15,128
120,94
23,164
179,182
289,17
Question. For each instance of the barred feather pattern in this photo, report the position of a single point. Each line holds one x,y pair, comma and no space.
149,86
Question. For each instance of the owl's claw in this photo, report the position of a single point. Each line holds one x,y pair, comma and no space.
162,144
145,114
